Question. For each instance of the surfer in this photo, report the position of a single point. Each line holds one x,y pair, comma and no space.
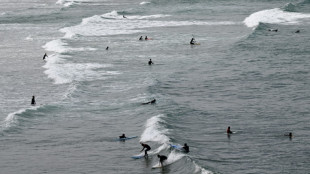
162,158
33,101
298,31
150,62
146,38
122,136
146,147
290,135
141,38
45,55
193,41
150,102
107,48
228,130
186,148
124,16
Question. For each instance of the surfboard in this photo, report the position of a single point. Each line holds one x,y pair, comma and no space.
158,165
127,138
177,147
196,44
137,156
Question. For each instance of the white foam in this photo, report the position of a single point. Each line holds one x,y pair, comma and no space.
274,16
11,119
114,24
59,46
63,72
154,131
201,169
144,2
29,38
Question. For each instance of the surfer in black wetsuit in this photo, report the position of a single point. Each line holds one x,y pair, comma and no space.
186,148
122,136
162,158
146,147
141,38
290,135
107,48
146,38
150,62
45,55
33,101
228,130
298,31
193,41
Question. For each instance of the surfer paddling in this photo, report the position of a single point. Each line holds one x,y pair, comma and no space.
150,102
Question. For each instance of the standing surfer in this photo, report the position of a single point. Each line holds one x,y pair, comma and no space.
146,147
33,101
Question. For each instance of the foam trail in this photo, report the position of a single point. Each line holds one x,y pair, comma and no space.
114,24
201,169
59,46
144,2
12,119
154,131
274,16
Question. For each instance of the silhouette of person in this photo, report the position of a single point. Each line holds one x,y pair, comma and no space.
146,147
141,38
45,55
228,130
122,136
186,148
107,48
150,62
33,101
162,158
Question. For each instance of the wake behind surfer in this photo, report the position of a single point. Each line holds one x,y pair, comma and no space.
162,158
146,147
33,101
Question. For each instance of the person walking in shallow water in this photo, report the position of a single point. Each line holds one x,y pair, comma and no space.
33,101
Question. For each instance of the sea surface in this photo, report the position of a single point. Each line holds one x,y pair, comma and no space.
251,72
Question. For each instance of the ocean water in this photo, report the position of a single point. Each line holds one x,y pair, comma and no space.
241,75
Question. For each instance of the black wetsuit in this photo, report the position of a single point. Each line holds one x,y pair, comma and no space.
186,149
162,158
150,62
146,147
123,136
33,102
192,41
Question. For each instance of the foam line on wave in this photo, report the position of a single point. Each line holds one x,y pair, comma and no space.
274,16
109,24
12,118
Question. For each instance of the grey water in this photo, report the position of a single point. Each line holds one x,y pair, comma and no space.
240,75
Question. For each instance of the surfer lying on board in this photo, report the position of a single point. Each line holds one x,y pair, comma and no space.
193,41
186,148
150,102
162,158
228,130
123,136
146,147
